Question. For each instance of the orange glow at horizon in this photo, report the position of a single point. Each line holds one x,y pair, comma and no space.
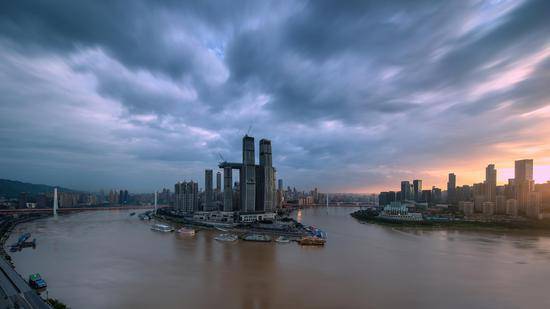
541,174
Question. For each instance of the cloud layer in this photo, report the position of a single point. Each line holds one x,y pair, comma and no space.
355,96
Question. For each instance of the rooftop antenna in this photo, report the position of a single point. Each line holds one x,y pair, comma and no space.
249,128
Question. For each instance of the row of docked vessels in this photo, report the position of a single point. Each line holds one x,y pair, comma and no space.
317,237
167,228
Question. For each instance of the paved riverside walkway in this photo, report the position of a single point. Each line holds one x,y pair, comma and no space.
15,292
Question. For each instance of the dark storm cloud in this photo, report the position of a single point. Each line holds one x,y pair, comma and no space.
350,92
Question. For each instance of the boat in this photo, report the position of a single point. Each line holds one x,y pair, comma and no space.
23,243
226,237
221,229
162,228
311,241
186,231
36,282
144,216
257,237
282,240
132,213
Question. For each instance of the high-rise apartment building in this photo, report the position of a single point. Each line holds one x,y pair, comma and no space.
417,189
523,182
248,175
208,191
490,183
405,190
451,189
187,196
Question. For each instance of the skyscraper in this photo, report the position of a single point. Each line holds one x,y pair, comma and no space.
451,189
524,169
405,190
417,189
265,180
218,182
490,183
280,185
523,182
248,175
186,195
208,194
227,189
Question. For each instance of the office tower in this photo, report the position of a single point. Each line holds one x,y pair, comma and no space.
208,192
248,176
490,183
405,190
451,189
280,185
523,182
227,189
218,182
417,189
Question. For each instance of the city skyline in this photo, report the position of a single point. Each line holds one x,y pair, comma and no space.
356,97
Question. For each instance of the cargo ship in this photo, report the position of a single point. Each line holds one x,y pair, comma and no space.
36,282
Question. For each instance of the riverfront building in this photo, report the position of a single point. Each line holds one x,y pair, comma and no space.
187,196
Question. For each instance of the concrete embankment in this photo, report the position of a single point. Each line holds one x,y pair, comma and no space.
14,290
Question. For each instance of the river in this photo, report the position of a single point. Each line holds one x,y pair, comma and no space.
112,260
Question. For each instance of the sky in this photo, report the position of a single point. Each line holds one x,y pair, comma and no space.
354,95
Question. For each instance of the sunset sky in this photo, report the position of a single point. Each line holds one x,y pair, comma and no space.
355,96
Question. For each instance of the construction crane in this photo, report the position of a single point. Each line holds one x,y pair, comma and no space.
221,157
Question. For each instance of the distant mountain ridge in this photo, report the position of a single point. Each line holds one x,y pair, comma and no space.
12,188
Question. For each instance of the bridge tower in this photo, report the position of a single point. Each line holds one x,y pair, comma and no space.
55,205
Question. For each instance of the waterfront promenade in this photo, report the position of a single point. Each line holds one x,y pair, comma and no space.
15,292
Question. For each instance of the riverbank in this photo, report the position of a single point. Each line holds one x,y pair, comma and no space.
539,226
7,224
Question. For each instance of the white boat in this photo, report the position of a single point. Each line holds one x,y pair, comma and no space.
162,228
186,231
226,237
282,240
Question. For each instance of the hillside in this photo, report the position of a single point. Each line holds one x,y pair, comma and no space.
12,188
